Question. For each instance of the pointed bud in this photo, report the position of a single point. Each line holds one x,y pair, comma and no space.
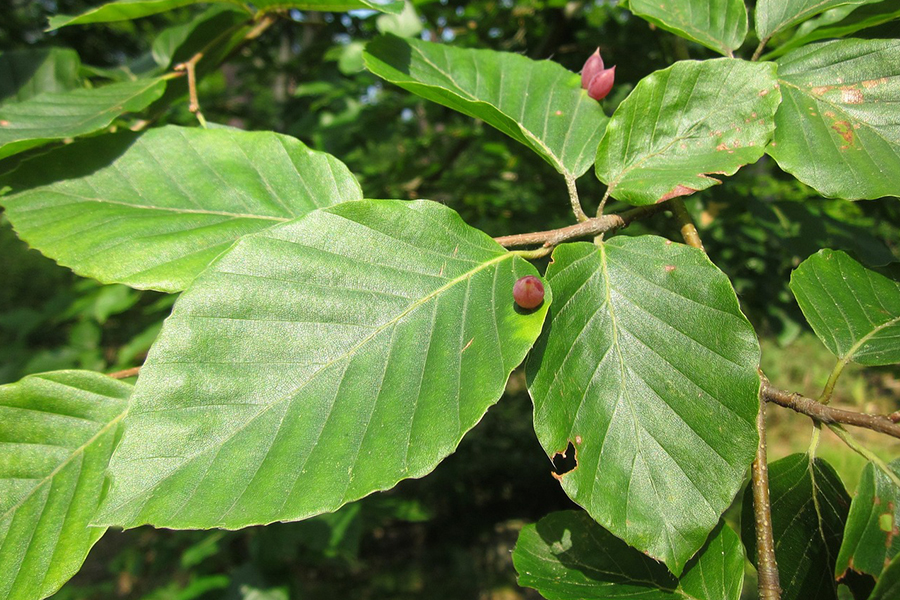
592,67
601,84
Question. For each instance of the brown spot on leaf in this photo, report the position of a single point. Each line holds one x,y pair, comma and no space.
845,130
4,123
851,95
565,462
764,92
669,268
678,190
870,83
820,90
722,147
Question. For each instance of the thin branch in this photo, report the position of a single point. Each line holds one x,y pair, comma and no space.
686,224
767,568
828,414
573,199
190,67
759,49
132,372
586,228
825,398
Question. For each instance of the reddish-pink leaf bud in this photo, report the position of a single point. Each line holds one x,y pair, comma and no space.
592,67
602,83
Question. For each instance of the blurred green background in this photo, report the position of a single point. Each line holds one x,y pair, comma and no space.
448,535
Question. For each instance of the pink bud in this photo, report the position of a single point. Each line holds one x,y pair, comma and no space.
592,67
601,84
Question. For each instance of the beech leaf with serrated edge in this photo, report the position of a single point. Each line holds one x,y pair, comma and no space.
855,311
648,368
838,128
152,210
720,25
567,556
684,123
317,362
58,431
537,103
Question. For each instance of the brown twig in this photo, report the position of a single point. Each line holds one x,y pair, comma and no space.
686,224
190,67
759,49
132,372
767,569
828,414
593,226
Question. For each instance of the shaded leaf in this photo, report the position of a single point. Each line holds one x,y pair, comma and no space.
27,73
59,115
774,16
809,509
838,129
855,311
177,44
152,210
872,537
683,123
127,10
567,556
538,103
649,369
317,362
58,431
720,25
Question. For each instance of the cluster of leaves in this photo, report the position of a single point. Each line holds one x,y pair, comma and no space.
325,346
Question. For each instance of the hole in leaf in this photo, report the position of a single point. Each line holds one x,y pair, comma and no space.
565,462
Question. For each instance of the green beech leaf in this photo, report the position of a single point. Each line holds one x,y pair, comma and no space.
538,103
317,362
855,311
127,10
57,430
888,587
774,16
840,22
152,210
567,556
27,73
178,44
809,509
59,115
649,369
717,24
870,539
838,129
683,123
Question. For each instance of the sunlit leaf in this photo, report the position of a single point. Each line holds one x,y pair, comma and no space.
567,556
58,430
682,124
538,103
855,311
838,128
59,115
717,24
648,368
809,509
774,16
317,362
152,210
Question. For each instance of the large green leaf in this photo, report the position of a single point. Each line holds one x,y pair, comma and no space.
152,210
888,587
685,122
127,10
809,508
59,115
567,556
717,24
27,73
855,311
774,16
838,129
317,362
178,44
538,103
840,22
57,431
649,369
870,539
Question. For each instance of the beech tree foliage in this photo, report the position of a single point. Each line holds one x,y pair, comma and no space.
325,346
